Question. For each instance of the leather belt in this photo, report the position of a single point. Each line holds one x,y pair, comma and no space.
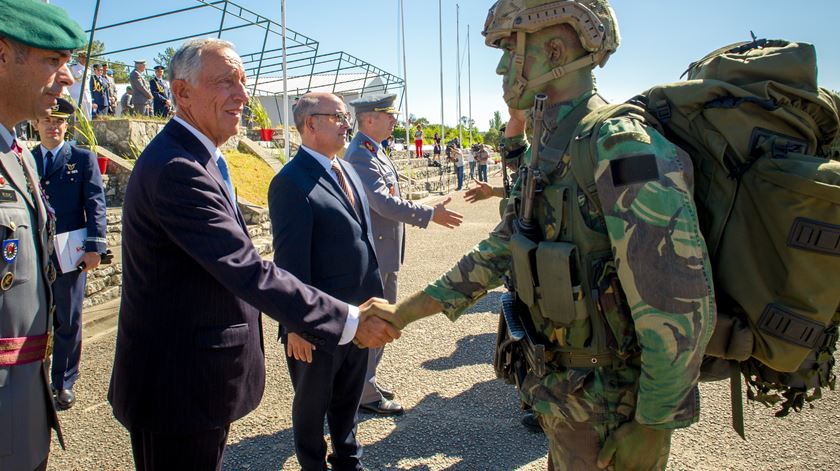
22,350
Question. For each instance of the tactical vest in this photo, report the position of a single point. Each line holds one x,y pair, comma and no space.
568,279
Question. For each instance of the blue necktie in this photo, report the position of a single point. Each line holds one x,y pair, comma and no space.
223,169
48,162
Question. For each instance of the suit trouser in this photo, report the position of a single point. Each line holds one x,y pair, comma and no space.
371,392
331,385
69,294
200,451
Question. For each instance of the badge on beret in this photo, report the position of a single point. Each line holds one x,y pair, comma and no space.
8,279
10,250
369,147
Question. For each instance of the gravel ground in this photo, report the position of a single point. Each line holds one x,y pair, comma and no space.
457,415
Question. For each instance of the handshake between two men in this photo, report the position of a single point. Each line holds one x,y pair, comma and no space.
380,323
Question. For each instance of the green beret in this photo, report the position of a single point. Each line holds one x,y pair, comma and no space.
40,25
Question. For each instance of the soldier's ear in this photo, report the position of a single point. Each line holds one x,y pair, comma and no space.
555,50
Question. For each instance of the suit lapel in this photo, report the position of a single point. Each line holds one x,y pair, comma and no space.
324,179
203,157
60,160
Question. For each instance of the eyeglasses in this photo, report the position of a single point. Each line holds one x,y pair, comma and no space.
342,118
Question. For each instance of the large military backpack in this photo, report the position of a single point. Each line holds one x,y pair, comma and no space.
760,132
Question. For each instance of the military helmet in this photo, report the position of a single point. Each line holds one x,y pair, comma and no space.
594,21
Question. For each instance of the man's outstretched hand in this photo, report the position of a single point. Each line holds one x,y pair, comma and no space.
446,217
481,192
373,331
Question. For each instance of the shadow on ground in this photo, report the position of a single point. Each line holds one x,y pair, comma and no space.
469,350
466,431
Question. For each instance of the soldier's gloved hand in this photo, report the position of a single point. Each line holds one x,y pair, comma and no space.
417,306
634,446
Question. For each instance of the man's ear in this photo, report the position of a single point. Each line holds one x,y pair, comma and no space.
180,91
555,51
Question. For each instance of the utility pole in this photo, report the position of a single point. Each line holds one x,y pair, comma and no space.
440,42
458,70
469,86
405,73
286,132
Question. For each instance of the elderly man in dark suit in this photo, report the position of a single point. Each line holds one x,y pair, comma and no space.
35,42
70,177
322,235
189,357
376,116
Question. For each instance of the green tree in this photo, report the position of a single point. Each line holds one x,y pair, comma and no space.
165,57
491,137
120,72
496,122
96,49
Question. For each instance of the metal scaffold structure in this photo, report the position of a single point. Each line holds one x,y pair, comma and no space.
307,67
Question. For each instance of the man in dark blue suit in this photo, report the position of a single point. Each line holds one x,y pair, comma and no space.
71,179
189,357
322,234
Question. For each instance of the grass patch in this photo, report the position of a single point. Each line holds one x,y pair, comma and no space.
250,175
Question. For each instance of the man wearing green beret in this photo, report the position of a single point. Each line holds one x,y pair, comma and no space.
36,41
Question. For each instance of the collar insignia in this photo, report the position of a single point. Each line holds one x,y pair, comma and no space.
370,147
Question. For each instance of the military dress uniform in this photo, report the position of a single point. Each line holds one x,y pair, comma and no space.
160,91
27,412
142,94
645,293
26,407
73,185
100,95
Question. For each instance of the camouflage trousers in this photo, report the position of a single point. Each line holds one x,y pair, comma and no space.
574,446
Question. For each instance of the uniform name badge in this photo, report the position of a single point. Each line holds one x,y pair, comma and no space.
10,250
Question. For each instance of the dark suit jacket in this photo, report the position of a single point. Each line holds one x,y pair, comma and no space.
76,194
318,236
189,353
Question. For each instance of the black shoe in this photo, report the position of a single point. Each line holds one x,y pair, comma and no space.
531,423
386,393
383,407
64,399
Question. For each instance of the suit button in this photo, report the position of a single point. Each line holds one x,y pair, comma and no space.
12,225
47,182
321,342
380,237
412,214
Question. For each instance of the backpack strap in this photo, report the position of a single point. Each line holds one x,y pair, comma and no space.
583,146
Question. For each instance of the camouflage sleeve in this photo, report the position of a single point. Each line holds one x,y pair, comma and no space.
480,270
645,186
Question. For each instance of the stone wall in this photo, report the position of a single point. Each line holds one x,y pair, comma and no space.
104,283
119,134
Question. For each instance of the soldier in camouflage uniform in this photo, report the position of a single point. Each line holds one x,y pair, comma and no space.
623,363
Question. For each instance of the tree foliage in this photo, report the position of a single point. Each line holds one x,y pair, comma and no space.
165,57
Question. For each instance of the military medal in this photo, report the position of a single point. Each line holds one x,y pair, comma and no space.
369,147
10,250
7,281
392,190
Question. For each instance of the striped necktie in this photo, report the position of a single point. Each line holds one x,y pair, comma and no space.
342,182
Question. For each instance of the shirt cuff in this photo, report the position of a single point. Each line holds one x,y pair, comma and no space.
351,325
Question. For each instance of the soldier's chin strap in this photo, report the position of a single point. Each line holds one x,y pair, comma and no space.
522,84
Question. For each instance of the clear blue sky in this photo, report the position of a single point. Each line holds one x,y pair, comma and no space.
659,39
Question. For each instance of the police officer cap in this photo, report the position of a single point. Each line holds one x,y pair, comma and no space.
139,61
62,109
160,67
383,103
40,25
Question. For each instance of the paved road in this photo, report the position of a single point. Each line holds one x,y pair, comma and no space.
458,416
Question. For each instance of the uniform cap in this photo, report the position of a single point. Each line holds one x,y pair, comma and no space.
40,25
62,109
160,67
140,61
382,103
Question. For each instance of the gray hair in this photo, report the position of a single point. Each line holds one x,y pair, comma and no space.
303,108
186,62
